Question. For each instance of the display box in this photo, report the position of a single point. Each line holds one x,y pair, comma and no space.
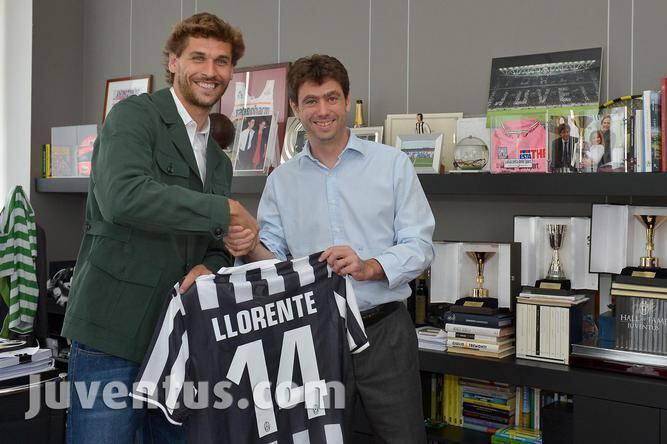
72,150
454,273
618,237
545,332
536,252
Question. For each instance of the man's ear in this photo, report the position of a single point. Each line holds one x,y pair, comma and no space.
348,103
171,64
294,106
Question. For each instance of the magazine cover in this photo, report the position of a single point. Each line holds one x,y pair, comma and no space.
519,144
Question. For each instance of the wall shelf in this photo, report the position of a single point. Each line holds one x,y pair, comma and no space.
79,185
583,185
618,387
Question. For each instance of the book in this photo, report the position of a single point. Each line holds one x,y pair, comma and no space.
555,297
493,321
550,301
486,331
492,399
481,353
663,123
62,161
638,293
501,346
484,339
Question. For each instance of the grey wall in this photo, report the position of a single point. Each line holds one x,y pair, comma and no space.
403,56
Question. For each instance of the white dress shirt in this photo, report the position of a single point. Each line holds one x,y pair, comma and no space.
198,139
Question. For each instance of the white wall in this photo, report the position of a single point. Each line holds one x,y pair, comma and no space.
15,94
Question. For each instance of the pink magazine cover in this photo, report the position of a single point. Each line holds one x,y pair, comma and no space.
519,146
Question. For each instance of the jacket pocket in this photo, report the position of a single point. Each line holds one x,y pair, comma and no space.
174,171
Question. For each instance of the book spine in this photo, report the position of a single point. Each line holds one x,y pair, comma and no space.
663,106
473,345
656,145
460,328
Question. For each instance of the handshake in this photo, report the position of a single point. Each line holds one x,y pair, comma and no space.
243,234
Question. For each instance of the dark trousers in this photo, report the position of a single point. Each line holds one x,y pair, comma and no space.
385,379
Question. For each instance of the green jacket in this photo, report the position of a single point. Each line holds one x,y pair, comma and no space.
148,222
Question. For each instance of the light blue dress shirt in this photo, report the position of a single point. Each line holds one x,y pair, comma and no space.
370,200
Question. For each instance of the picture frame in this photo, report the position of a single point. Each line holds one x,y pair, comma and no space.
123,87
259,91
372,133
423,150
295,139
252,154
444,123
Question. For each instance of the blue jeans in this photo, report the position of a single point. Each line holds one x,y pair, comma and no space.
90,419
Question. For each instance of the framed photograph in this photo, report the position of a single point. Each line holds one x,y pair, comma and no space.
295,139
255,136
527,81
372,133
259,91
444,123
423,150
124,87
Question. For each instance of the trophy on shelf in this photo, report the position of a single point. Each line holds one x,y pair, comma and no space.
649,265
479,300
555,278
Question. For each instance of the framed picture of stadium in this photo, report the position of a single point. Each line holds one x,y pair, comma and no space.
443,123
372,133
423,150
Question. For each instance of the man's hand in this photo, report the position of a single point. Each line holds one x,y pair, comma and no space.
239,241
189,279
240,216
344,260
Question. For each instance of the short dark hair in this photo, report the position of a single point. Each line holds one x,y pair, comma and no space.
222,129
420,115
317,68
562,127
202,25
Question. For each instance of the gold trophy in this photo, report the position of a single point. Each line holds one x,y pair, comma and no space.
651,223
359,114
479,300
480,257
555,278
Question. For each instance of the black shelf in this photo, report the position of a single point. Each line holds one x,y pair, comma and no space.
630,389
79,185
483,184
457,435
62,185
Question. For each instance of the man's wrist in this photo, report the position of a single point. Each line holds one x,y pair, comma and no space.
375,270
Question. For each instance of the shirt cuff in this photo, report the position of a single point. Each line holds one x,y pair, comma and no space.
390,266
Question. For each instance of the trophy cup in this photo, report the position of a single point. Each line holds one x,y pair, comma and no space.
649,265
555,278
478,301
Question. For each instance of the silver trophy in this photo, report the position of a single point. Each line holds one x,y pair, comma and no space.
556,233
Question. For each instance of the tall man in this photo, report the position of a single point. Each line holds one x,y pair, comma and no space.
361,203
157,210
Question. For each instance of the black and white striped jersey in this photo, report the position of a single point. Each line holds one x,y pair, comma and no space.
255,354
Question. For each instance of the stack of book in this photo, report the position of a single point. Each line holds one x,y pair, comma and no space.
24,361
487,405
514,434
432,338
489,336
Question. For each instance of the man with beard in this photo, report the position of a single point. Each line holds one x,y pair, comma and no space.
157,212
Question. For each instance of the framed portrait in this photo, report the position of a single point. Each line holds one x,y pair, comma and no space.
254,137
443,123
372,133
423,150
259,91
124,87
295,139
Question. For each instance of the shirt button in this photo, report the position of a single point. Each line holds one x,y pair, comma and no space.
170,169
218,232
